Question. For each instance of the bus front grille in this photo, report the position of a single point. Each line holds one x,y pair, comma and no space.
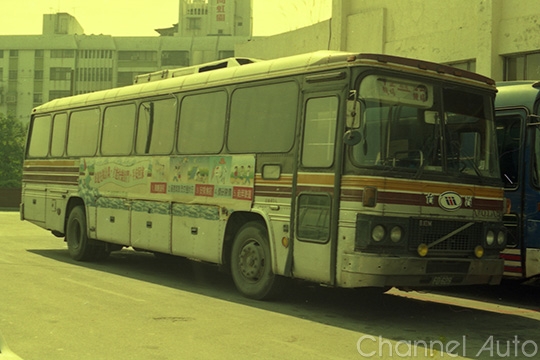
430,231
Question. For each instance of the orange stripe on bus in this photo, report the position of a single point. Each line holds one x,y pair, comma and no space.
419,186
52,162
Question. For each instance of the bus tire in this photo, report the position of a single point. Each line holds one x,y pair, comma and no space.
78,244
251,263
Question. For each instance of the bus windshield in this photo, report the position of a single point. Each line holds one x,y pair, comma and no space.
417,126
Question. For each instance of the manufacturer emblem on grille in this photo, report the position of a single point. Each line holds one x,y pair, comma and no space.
450,200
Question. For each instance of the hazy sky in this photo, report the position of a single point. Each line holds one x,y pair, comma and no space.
141,17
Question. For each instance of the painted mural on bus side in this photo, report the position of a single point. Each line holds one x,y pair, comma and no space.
178,178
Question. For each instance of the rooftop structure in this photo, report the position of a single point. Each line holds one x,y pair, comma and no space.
63,61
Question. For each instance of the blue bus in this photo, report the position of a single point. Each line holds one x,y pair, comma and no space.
518,131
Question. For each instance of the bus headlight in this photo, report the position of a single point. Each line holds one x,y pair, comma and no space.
396,234
378,233
490,237
501,237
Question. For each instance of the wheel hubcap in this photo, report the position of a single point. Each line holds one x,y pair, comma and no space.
75,238
251,261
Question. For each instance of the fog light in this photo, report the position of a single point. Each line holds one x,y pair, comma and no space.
501,237
422,249
479,251
395,234
490,238
378,232
285,241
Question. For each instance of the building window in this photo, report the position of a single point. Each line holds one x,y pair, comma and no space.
95,54
137,55
38,75
522,67
93,74
177,58
469,65
1,54
226,54
62,54
38,98
194,24
60,73
12,74
105,54
38,53
56,94
13,53
125,78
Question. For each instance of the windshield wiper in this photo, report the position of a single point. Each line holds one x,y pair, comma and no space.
466,160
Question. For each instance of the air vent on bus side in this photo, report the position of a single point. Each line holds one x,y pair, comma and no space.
172,73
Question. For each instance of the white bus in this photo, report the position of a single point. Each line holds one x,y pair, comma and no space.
348,170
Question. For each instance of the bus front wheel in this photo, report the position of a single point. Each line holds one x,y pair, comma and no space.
251,264
78,244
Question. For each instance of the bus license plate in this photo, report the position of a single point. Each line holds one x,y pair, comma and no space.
441,280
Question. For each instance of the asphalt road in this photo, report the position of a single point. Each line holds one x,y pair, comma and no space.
135,306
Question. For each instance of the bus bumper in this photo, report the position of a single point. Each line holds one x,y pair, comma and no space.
359,270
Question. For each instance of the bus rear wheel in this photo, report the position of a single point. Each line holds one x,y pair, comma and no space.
78,244
251,264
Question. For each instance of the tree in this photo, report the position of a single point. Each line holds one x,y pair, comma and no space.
12,139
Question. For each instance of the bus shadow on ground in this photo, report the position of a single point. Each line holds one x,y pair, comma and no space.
394,315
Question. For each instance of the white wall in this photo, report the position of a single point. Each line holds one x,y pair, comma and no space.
296,42
439,31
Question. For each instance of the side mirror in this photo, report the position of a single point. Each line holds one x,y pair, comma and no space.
352,137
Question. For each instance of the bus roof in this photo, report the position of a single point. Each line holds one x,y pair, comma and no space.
517,93
310,62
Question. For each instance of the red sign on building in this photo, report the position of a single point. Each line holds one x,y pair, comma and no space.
220,10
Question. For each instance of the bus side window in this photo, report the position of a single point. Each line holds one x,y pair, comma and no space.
83,132
118,129
40,136
263,118
58,142
156,126
314,217
196,136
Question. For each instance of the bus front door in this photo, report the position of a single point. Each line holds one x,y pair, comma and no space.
511,141
316,191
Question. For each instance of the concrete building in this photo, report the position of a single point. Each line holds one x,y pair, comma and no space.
496,38
64,61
